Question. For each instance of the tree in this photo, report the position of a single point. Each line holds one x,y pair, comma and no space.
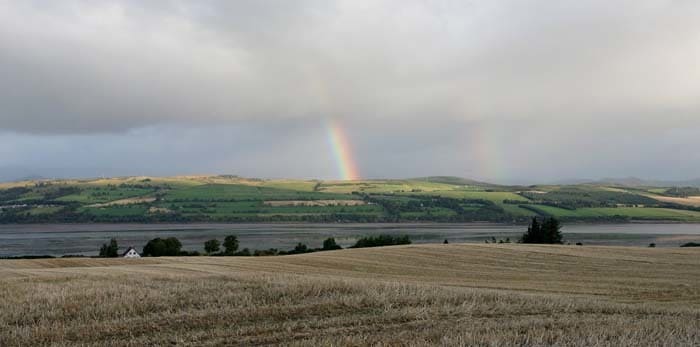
329,244
547,232
110,250
162,247
551,228
230,244
534,232
173,246
300,248
211,246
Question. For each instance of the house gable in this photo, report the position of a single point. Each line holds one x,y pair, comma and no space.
131,253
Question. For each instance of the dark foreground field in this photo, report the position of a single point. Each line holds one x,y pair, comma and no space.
406,295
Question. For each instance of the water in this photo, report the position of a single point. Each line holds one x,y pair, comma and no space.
86,239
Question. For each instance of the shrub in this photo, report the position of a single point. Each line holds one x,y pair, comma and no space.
162,247
382,240
211,246
329,244
300,248
110,250
266,252
691,244
230,245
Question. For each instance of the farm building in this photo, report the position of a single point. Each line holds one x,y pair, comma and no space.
131,253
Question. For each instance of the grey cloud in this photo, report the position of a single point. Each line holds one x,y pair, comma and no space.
519,151
83,66
494,90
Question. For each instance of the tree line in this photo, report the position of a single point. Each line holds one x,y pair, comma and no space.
546,231
171,246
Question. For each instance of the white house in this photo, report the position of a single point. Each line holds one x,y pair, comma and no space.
131,253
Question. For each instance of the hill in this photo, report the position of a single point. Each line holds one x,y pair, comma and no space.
638,182
404,295
458,181
226,198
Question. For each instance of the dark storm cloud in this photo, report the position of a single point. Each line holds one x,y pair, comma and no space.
520,153
85,66
486,89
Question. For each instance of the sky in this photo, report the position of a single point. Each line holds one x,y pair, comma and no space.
507,91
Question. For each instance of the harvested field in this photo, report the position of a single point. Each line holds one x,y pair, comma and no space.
404,295
128,201
689,201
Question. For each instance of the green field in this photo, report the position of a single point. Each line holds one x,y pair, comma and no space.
104,194
631,212
236,199
117,211
518,211
496,197
244,192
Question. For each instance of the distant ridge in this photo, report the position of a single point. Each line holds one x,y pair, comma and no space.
459,181
18,174
638,182
627,182
29,178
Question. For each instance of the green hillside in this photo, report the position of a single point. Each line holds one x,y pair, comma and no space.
236,199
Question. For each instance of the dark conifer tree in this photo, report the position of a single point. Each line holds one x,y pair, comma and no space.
534,232
551,230
547,232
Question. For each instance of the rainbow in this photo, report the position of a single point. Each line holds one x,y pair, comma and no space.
483,144
342,152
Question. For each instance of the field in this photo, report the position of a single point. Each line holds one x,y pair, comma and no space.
236,199
690,201
496,295
636,213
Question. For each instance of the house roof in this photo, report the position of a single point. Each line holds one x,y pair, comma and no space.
129,249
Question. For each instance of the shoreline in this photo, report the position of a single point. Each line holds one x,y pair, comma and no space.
204,225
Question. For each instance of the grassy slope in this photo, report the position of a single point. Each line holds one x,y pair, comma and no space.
632,212
220,198
405,295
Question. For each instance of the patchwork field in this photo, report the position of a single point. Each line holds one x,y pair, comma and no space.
690,200
405,295
236,199
633,212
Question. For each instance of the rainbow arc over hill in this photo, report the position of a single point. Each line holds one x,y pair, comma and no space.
342,151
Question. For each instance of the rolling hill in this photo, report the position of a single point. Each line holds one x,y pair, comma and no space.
228,198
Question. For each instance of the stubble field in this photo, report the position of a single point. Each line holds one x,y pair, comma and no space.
492,295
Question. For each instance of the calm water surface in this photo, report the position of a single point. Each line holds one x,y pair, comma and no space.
86,239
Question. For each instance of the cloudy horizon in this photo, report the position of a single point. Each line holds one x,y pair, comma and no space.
501,91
